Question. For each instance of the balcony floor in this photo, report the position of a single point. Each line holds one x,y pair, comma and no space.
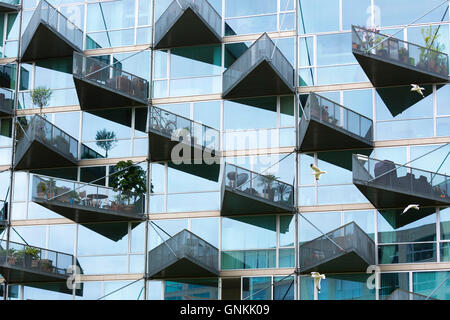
384,72
319,136
183,268
236,202
177,36
346,262
47,43
83,214
387,198
17,275
40,155
261,80
93,95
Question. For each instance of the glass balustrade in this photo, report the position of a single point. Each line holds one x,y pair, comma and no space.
183,246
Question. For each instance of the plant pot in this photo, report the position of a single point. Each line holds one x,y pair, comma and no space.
382,53
12,261
41,194
28,260
35,263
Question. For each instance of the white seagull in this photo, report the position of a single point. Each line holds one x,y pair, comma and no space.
411,206
416,88
317,278
317,172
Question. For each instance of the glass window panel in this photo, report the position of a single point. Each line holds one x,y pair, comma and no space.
318,16
436,284
257,288
407,253
389,282
248,233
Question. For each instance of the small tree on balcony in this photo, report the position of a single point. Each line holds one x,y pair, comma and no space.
40,97
129,179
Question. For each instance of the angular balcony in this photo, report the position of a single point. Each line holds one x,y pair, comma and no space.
261,71
356,252
248,192
6,102
395,62
326,125
388,185
86,203
199,143
20,263
49,34
9,6
101,86
184,255
43,145
182,15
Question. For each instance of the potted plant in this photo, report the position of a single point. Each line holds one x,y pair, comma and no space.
12,256
51,187
74,196
31,256
8,255
131,182
266,181
403,55
47,265
41,188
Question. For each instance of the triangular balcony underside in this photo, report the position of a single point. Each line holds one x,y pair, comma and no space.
188,29
236,202
321,136
93,96
40,155
47,43
261,80
384,72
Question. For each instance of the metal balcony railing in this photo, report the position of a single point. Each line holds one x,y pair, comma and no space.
400,53
6,101
34,260
183,245
178,128
346,239
327,111
262,49
110,77
50,136
55,21
412,182
205,12
87,197
258,186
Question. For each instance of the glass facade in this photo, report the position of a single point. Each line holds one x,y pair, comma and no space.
113,203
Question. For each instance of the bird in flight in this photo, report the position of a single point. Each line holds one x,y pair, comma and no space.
317,278
317,172
418,89
411,206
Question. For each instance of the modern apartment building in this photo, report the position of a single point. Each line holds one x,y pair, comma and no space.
164,149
